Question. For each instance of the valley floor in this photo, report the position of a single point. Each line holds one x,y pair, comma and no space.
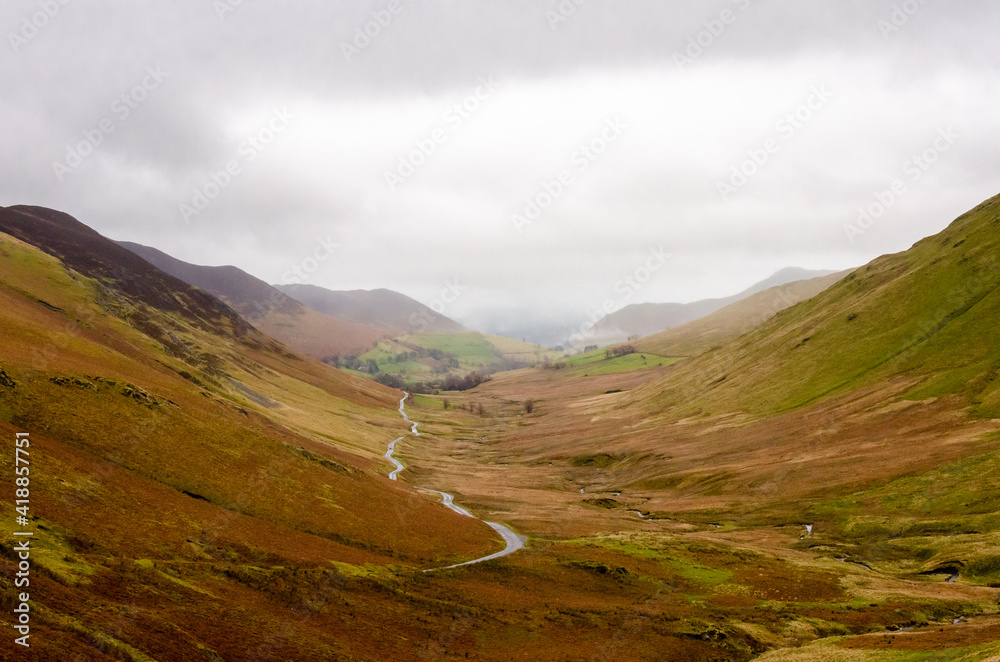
690,540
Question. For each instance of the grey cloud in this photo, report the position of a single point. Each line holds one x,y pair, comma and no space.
689,127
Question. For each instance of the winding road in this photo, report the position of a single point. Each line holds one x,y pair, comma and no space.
397,463
513,540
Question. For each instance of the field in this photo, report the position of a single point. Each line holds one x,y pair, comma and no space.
457,353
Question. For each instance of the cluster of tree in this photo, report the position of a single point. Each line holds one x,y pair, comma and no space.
393,381
471,406
403,357
620,350
472,380
352,362
450,382
507,363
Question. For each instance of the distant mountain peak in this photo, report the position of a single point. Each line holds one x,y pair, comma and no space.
643,319
382,308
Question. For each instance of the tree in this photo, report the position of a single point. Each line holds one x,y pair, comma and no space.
621,350
392,381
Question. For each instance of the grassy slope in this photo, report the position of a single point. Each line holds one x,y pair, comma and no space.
144,454
927,314
76,385
596,363
318,335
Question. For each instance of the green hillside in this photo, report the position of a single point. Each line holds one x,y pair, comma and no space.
926,316
598,362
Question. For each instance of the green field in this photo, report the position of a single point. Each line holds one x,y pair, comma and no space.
471,351
595,363
470,348
518,349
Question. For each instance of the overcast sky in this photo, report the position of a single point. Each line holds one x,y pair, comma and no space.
249,133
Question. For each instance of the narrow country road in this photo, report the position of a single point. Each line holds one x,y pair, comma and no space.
395,462
513,540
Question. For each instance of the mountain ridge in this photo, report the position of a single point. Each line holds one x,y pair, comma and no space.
383,308
270,310
644,319
735,319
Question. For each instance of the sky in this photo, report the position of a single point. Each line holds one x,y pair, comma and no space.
510,163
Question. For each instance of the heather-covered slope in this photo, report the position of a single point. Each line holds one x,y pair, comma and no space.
186,468
267,308
87,252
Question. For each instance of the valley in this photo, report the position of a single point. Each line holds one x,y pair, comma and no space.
803,483
500,331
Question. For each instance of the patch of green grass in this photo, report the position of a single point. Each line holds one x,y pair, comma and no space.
920,522
959,497
428,401
701,574
520,349
685,567
148,564
963,488
618,545
115,648
600,460
596,363
469,348
366,571
405,369
51,550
